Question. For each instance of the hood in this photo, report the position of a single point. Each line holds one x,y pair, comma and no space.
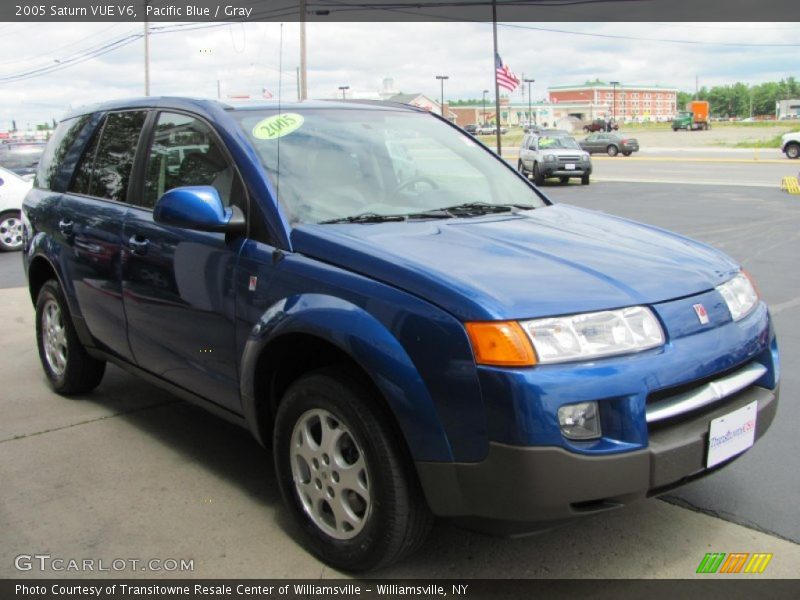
548,261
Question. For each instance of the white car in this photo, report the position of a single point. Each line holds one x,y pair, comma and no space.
790,144
13,189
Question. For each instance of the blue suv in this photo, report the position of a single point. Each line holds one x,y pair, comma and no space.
409,323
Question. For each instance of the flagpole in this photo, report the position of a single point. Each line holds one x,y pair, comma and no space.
496,85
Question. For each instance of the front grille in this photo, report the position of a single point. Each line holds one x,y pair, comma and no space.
568,159
670,403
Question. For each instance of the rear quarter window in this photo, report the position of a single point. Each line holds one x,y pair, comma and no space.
57,148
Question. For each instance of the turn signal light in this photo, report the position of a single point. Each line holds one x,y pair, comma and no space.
501,343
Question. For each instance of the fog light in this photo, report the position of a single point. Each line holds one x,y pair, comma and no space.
580,421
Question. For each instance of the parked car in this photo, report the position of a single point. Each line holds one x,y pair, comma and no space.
553,155
790,144
609,143
12,191
600,125
489,129
21,157
447,343
472,129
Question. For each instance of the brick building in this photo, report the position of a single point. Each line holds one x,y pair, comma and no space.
628,102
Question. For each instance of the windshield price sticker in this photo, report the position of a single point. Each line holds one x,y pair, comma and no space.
277,126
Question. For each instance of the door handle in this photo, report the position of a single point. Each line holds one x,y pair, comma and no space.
65,225
138,245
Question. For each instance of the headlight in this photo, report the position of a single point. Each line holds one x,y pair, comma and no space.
585,157
550,157
740,295
593,335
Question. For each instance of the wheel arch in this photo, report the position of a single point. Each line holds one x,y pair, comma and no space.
303,333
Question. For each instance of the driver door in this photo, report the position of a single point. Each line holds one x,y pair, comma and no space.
178,284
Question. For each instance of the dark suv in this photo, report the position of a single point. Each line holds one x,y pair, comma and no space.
409,323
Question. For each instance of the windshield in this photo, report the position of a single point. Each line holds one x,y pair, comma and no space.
339,163
556,142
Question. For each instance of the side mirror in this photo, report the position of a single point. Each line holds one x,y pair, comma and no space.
199,208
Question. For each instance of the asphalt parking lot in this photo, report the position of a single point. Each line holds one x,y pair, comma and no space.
131,472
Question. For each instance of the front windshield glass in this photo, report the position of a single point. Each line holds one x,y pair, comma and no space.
337,163
558,142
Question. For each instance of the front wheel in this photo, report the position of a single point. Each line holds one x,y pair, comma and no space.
10,231
538,176
612,150
793,151
627,153
345,475
585,179
68,367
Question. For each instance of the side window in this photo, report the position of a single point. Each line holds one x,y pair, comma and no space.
83,172
57,148
114,159
105,168
185,152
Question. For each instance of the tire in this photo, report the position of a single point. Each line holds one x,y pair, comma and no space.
68,367
792,151
586,130
10,231
521,168
564,180
612,150
585,179
674,129
382,520
538,176
627,153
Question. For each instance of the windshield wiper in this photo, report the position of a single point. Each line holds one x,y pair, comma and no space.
481,208
369,217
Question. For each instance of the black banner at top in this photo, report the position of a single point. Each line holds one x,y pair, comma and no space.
399,10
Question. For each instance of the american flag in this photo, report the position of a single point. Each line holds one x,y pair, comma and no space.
505,76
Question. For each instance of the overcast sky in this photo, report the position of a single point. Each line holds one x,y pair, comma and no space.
245,59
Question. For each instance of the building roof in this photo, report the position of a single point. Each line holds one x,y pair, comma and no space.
620,86
406,98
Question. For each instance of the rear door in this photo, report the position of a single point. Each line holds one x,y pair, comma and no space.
91,214
179,284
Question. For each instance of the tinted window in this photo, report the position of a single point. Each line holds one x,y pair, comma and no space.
83,172
114,159
185,152
57,148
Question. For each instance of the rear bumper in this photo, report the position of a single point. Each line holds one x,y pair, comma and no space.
517,487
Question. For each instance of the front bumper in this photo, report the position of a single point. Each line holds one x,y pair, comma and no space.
553,170
516,487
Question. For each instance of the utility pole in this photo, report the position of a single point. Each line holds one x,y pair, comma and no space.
441,78
344,88
483,122
146,54
303,65
529,82
496,84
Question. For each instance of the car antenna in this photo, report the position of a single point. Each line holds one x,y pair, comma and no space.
280,86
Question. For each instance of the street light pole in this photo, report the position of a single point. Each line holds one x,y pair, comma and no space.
441,78
529,82
483,122
614,100
344,88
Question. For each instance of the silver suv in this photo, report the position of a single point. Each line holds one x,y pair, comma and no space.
548,155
